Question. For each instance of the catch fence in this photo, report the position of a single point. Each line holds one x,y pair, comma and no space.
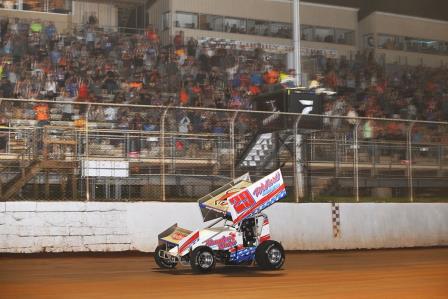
117,152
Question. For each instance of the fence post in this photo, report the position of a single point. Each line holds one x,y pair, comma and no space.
298,169
356,159
232,145
162,155
337,158
86,155
440,159
410,175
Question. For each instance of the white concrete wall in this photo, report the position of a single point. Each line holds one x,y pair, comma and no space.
75,226
366,225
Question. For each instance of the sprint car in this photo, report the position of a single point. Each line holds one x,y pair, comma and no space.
243,236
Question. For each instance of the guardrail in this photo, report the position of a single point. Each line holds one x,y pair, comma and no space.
168,157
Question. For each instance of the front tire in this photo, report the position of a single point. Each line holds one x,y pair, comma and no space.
270,255
202,260
163,262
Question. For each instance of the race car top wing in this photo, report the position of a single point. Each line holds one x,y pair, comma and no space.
256,197
173,235
215,204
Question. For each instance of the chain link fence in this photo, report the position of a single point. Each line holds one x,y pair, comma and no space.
141,153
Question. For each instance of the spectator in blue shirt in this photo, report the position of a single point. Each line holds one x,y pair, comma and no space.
256,79
55,57
50,31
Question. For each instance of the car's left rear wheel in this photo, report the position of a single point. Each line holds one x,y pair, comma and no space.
270,255
161,260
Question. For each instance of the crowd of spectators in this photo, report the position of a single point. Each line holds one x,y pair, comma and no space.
89,64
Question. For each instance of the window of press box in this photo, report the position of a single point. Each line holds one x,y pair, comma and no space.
282,30
430,46
324,35
369,41
55,6
390,42
410,44
211,23
345,37
186,20
166,18
425,46
444,48
256,27
307,33
234,25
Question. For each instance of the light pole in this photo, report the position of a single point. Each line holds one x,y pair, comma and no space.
296,40
296,37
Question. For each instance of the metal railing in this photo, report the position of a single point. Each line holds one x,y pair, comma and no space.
357,160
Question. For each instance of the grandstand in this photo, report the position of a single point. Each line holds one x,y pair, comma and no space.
170,118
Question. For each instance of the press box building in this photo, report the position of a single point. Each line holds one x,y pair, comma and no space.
333,31
330,29
405,40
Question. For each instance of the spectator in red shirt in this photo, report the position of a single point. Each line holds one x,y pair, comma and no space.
184,98
271,77
83,92
152,35
254,90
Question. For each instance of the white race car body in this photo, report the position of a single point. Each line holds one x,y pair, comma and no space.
227,238
239,205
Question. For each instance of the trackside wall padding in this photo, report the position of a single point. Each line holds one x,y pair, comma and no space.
27,227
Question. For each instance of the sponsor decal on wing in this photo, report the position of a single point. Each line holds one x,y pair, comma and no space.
263,203
257,197
219,202
267,186
178,236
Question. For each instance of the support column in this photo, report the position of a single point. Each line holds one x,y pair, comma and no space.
162,155
296,38
299,180
63,182
36,187
356,161
47,185
144,16
86,154
409,170
232,146
74,187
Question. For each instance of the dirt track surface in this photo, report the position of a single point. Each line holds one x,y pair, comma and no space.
414,273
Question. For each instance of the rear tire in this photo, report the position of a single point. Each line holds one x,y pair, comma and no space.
162,262
270,255
202,260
